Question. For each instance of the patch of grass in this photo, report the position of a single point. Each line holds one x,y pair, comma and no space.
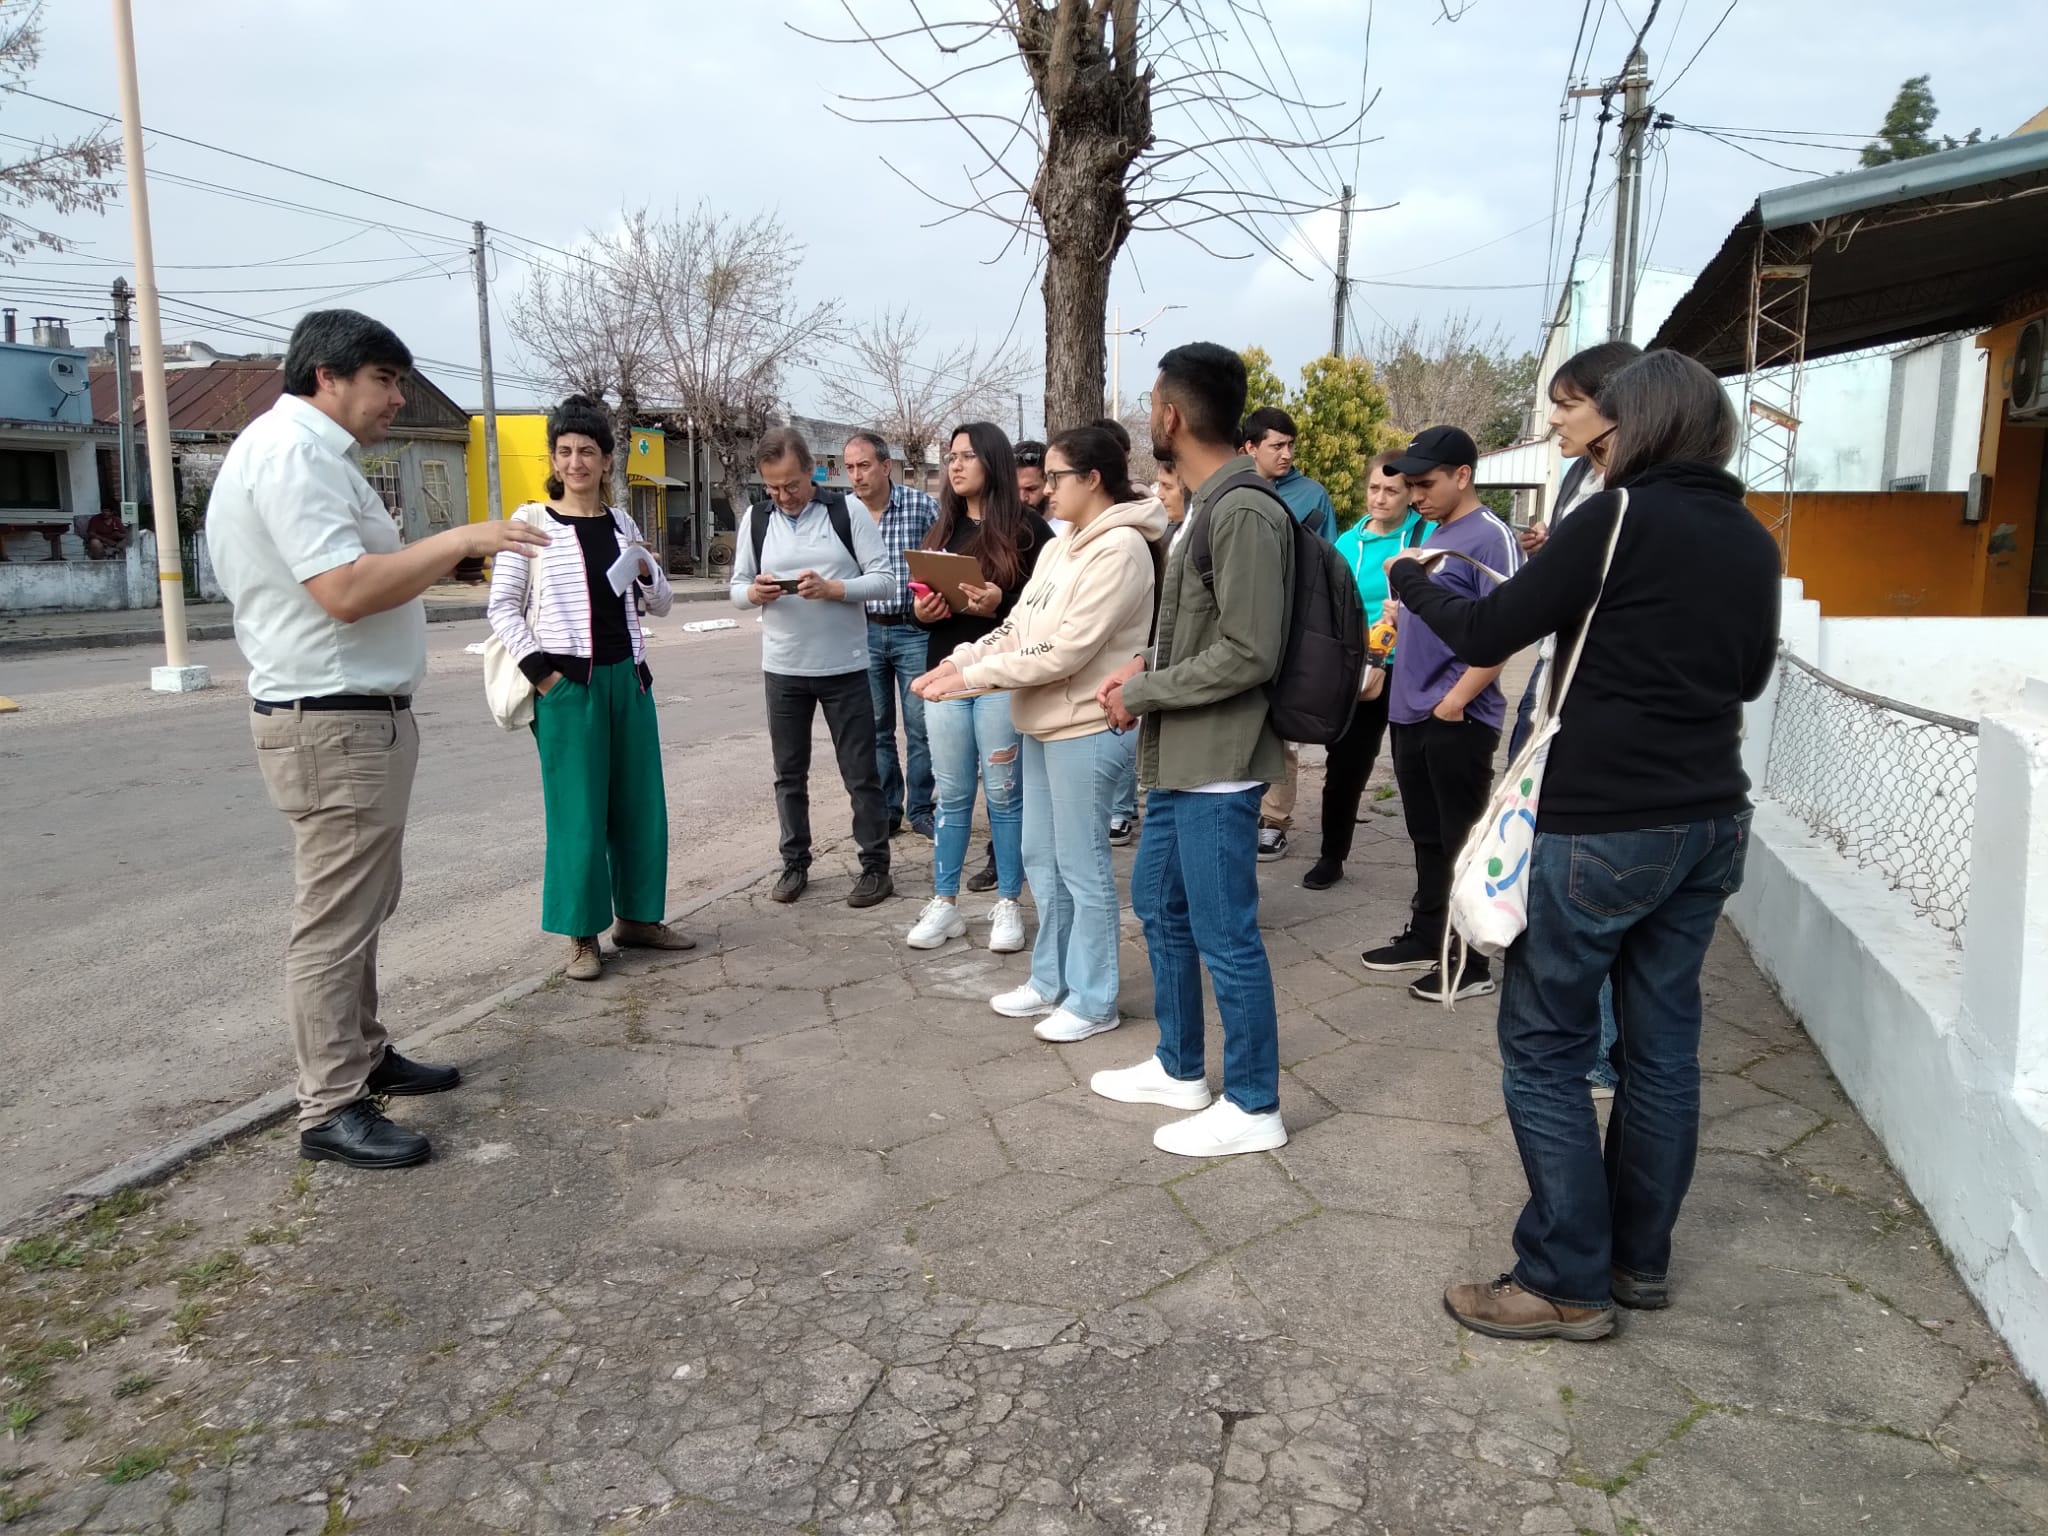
337,1521
1567,1396
133,1466
15,1506
108,1326
1385,792
35,1255
19,1417
78,1423
446,1348
133,1386
211,1273
190,1320
301,1184
270,1237
115,1209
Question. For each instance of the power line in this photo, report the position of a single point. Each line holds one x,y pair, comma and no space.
1711,35
1744,149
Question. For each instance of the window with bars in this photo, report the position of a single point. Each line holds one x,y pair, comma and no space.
383,477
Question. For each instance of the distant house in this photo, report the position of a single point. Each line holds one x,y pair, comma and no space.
420,471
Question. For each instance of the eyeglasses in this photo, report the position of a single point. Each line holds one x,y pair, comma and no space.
963,458
1054,476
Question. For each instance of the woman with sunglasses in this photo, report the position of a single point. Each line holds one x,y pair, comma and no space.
972,739
1086,610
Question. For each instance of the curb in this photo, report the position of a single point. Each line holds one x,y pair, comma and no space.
158,1164
100,640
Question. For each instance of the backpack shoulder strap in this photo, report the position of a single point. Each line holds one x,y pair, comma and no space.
1198,535
842,521
1417,532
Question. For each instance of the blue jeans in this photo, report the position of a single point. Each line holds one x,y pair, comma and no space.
1068,786
973,740
896,654
1525,721
1641,906
1195,887
1124,805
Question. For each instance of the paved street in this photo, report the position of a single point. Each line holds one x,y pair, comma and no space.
794,1235
145,879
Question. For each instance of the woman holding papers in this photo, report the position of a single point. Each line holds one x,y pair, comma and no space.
571,619
1086,611
971,739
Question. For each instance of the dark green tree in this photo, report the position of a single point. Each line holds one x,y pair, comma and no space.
1908,130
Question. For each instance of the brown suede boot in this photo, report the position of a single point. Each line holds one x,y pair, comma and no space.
1506,1311
650,936
586,961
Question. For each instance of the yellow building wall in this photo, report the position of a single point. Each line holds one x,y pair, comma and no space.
522,464
2011,455
1881,554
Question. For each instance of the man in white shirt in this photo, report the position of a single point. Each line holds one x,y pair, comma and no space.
328,612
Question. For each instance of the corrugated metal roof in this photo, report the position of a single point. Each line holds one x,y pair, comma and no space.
225,396
1947,242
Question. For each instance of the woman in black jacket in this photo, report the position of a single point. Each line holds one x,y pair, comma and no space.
1641,832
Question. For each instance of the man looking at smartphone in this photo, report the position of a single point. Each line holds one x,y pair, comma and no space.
811,569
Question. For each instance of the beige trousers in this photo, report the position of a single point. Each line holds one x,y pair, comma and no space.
1277,809
343,779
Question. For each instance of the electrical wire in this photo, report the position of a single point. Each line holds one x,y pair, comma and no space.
1712,33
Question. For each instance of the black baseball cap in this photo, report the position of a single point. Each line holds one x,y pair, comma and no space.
1437,448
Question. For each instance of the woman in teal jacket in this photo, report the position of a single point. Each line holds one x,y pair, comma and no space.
1388,527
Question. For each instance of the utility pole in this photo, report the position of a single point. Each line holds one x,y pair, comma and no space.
1628,195
124,405
178,674
493,500
1020,414
1343,304
1117,333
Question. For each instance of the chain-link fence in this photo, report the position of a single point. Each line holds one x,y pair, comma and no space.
1893,786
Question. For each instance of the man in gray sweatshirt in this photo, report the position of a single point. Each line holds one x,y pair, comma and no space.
811,569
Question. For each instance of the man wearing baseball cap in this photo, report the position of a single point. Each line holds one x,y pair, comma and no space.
1446,717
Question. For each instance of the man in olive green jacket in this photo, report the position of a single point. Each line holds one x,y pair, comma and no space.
1206,752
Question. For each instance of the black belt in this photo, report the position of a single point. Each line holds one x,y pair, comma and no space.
386,702
890,618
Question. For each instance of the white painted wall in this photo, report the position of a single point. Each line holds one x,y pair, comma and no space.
1966,667
75,585
1944,1051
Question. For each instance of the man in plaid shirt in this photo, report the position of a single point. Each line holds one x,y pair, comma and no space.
896,645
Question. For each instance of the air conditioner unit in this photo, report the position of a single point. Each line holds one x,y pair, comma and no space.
2029,385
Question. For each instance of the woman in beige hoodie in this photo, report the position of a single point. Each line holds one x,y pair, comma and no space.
1086,610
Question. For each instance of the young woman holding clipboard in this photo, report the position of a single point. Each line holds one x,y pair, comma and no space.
971,739
1086,611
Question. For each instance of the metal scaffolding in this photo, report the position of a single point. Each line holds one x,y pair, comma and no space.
1780,282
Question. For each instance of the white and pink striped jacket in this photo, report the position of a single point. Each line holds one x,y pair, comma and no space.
560,618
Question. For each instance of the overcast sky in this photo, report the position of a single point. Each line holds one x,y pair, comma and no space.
545,119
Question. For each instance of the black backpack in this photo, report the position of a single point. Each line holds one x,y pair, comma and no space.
1312,696
835,508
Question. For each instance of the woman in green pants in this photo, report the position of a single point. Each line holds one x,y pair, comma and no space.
577,633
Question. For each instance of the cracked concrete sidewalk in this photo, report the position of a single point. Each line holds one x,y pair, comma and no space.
793,1234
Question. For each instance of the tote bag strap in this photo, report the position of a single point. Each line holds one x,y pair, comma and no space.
1554,700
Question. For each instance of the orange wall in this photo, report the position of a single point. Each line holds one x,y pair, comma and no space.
2012,457
1877,554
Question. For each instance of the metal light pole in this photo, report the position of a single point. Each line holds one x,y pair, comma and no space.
1117,334
178,674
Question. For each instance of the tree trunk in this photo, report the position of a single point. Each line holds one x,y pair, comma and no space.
1097,101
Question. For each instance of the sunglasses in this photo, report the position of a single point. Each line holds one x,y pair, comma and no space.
1030,460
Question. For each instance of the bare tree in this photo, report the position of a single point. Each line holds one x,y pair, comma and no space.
728,326
65,175
1457,373
692,314
590,327
1129,119
912,397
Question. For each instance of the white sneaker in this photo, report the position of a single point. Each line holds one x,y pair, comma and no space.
1221,1130
1023,1002
1147,1083
939,921
1064,1028
1005,927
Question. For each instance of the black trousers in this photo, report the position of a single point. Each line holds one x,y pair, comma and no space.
850,717
1445,771
1345,771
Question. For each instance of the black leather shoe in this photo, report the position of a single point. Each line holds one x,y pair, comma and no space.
873,886
984,878
362,1137
791,885
399,1077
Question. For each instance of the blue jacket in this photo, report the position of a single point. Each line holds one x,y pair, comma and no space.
1309,503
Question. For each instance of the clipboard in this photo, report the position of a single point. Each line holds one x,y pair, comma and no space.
945,573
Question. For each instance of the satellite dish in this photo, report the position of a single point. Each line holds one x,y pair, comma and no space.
68,375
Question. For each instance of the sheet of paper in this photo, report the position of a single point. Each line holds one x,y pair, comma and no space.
626,569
